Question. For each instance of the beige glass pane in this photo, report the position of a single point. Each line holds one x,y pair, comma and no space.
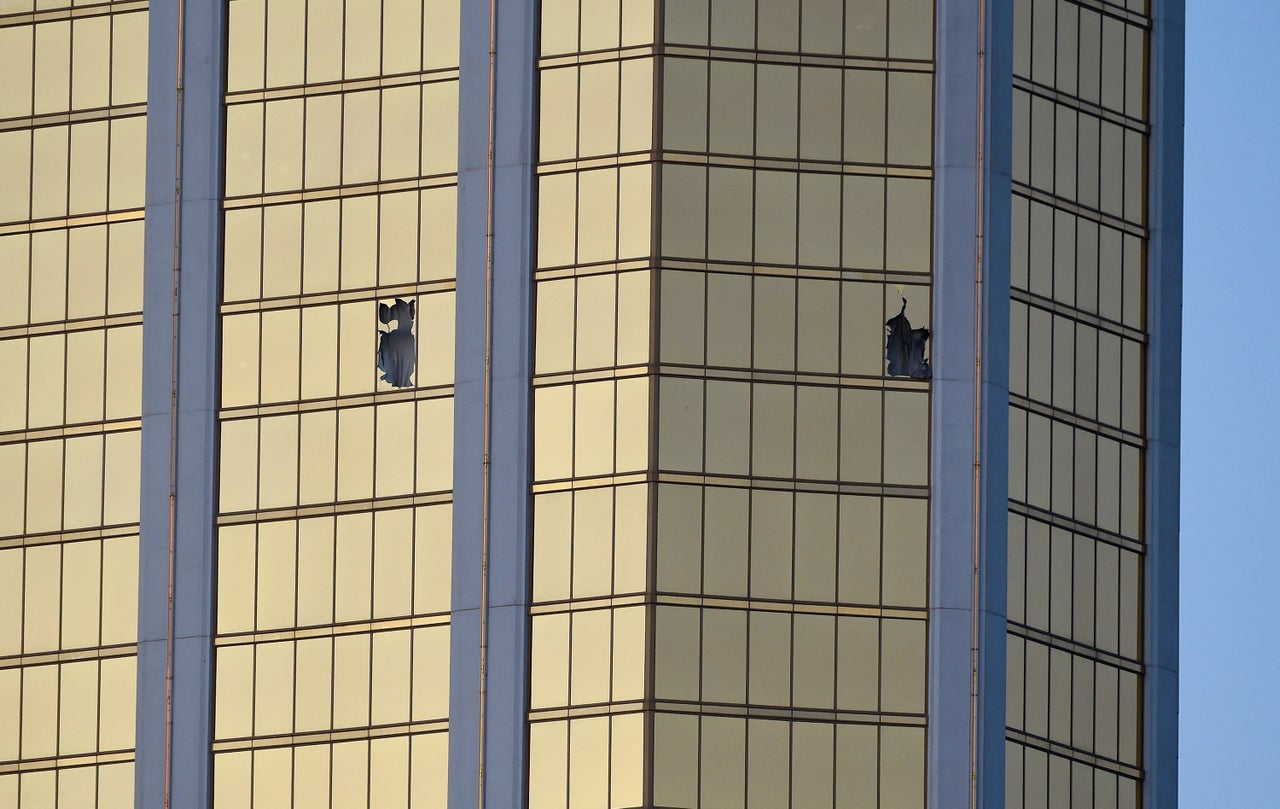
635,129
774,324
548,760
88,173
629,668
549,661
91,63
388,772
350,681
815,547
769,659
53,67
558,114
902,767
593,429
779,25
675,757
16,44
767,763
13,398
400,147
684,213
40,607
729,224
282,151
353,568
557,201
812,765
727,519
46,393
360,116
244,149
771,544
11,704
15,162
679,550
597,216
817,410
596,320
394,464
589,657
906,438
599,112
314,687
355,453
280,337
318,446
775,217
857,765
393,563
44,486
724,655
599,26
311,775
431,673
273,689
232,780
907,213
236,563
129,59
120,590
633,317
680,420
440,128
813,661
83,477
48,276
728,321
87,272
435,445
902,670
351,774
286,42
728,422
860,441
910,118
245,52
49,147
402,36
681,313
772,433
278,449
724,746
676,643
276,566
552,546
272,776
81,576
592,542
389,688
433,551
684,100
630,539
233,714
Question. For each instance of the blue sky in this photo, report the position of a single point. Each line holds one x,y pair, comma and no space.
1230,712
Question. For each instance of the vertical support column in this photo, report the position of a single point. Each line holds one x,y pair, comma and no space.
179,436
970,403
499,309
1164,409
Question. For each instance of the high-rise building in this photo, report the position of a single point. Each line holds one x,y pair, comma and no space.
589,404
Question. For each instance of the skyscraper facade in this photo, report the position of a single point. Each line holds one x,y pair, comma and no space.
590,403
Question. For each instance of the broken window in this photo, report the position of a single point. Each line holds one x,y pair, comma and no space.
397,354
905,346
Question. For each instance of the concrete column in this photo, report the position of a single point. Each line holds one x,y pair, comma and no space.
965,369
179,414
1164,408
510,319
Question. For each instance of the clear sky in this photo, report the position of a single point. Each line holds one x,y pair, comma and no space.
1230,652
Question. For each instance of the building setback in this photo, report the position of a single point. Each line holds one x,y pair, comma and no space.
584,404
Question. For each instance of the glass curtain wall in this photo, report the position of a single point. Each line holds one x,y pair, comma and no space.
72,155
592,404
334,526
1076,537
730,496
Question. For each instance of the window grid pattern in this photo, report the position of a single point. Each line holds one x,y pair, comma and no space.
334,534
72,151
730,496
1077,404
